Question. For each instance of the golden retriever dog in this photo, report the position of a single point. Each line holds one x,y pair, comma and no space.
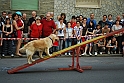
41,45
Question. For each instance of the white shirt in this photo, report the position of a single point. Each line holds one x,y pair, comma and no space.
78,30
60,32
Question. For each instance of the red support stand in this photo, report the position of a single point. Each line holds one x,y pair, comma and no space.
77,67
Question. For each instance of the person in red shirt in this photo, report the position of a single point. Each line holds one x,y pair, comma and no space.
73,21
49,26
36,28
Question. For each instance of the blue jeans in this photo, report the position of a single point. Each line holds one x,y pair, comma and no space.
61,42
68,42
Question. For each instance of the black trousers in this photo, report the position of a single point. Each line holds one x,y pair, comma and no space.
7,47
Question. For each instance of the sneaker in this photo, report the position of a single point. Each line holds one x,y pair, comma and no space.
84,54
95,53
12,55
3,55
90,54
69,53
108,52
65,53
100,52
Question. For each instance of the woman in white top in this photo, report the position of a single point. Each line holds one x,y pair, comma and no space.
77,33
118,36
60,27
68,34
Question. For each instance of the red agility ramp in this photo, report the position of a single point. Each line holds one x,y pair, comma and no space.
73,48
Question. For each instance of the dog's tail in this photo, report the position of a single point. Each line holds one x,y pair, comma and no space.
23,49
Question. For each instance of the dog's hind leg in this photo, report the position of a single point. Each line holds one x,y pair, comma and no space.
40,54
47,52
29,56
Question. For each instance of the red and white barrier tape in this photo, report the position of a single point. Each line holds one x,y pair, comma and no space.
19,38
41,38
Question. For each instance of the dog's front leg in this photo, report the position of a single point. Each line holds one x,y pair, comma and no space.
47,52
28,59
40,54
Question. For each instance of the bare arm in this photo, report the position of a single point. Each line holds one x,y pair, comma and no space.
122,43
3,29
108,44
64,30
116,44
15,24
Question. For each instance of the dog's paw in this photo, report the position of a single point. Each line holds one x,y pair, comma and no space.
33,60
50,54
41,57
29,62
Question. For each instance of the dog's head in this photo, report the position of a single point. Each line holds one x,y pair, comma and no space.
54,37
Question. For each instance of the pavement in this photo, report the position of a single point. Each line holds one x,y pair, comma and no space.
104,70
62,55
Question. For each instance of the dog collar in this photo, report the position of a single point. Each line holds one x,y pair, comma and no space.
51,39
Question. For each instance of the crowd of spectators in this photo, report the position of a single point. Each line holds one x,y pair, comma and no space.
74,31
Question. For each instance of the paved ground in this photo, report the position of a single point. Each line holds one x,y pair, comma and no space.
105,70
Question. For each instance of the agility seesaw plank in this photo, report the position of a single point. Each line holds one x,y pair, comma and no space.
14,70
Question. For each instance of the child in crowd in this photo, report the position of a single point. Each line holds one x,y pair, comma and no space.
90,29
112,45
99,47
68,34
55,47
84,30
77,33
1,24
7,33
60,26
98,30
118,36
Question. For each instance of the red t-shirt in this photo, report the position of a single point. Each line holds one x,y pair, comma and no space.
56,43
73,24
19,23
36,30
48,27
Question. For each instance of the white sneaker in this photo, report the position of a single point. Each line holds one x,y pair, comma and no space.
3,55
100,52
69,53
90,53
65,53
95,53
84,54
12,55
108,52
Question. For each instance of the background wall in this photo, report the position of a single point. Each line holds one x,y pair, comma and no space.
44,6
114,7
